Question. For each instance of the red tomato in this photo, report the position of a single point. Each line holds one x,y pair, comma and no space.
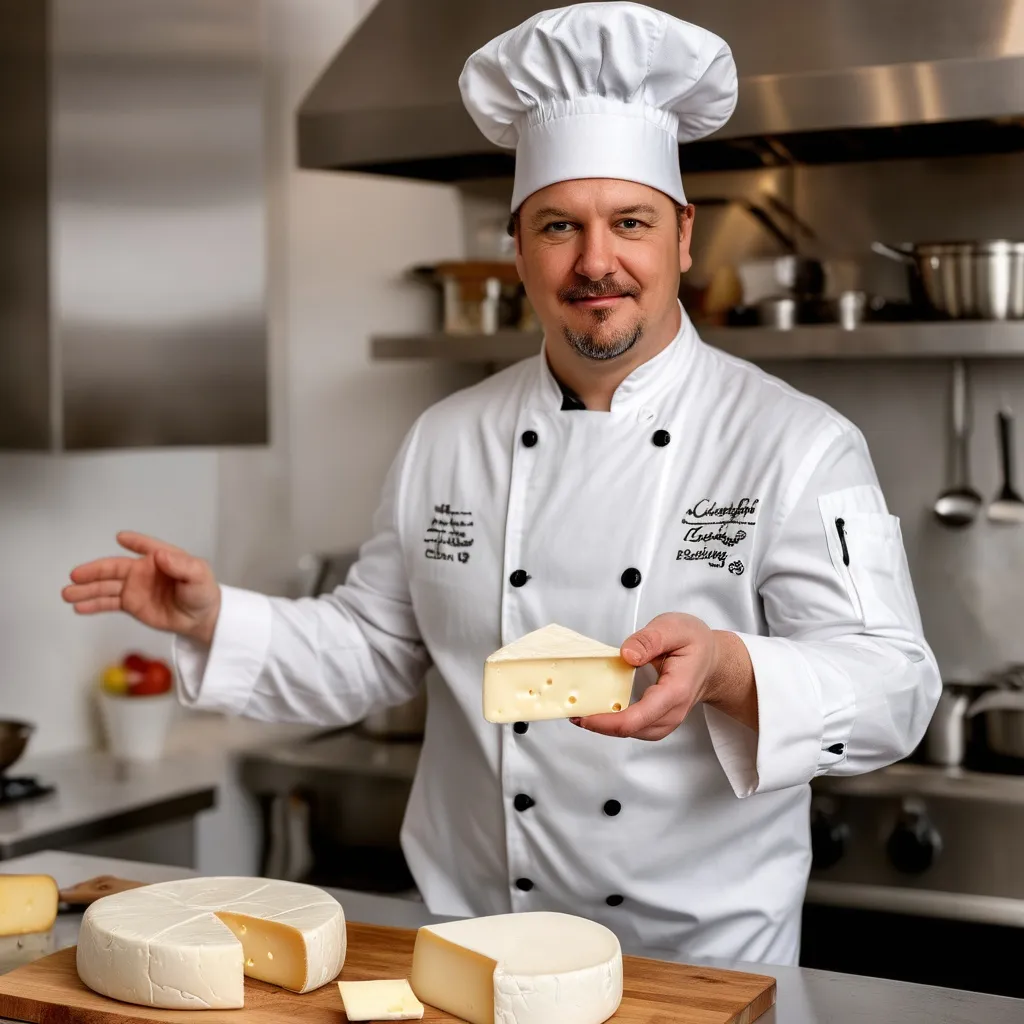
156,679
135,662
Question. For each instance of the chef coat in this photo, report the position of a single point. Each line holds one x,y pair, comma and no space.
709,487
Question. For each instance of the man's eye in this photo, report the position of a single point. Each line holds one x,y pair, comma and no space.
630,223
558,227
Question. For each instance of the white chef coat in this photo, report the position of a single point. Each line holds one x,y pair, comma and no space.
710,488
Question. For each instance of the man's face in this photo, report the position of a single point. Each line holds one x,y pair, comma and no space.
600,259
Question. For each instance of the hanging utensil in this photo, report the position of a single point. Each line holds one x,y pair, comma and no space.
1008,507
959,504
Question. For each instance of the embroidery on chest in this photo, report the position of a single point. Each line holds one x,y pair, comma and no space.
449,536
714,532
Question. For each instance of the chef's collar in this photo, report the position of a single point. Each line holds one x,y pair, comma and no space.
643,385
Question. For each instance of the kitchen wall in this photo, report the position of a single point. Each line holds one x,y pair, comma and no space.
338,247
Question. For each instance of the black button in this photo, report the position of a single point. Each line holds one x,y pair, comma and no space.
530,438
836,748
524,883
612,807
631,578
523,802
521,727
519,578
661,438
615,900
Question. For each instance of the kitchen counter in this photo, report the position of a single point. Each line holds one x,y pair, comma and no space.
804,996
97,796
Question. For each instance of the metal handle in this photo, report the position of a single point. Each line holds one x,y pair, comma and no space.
953,906
758,213
892,253
1006,447
961,423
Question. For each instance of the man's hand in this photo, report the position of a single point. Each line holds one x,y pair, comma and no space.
695,664
164,588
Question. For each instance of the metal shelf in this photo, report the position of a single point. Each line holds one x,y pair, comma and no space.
930,340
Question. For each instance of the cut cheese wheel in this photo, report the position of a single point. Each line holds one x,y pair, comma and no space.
555,673
379,1000
532,968
190,944
28,903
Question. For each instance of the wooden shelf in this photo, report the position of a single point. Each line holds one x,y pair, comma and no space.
930,340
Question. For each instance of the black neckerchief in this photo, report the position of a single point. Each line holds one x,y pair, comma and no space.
570,400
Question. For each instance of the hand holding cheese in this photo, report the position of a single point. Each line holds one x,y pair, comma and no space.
695,664
529,968
555,673
28,904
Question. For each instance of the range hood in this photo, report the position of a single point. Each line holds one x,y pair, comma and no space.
131,224
821,81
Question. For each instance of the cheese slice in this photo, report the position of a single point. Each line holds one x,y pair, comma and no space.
190,944
28,903
532,968
379,1000
555,673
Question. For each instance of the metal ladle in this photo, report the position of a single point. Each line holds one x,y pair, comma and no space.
960,504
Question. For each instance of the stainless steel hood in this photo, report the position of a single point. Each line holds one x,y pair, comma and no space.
132,229
821,81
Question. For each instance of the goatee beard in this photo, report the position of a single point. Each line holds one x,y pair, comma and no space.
585,344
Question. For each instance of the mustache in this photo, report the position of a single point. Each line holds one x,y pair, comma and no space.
597,290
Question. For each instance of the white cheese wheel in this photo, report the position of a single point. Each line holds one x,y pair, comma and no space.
189,944
531,968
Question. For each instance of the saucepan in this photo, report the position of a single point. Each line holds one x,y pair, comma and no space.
1002,711
979,280
14,736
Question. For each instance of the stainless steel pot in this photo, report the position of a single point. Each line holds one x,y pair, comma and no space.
982,280
14,737
945,742
1004,721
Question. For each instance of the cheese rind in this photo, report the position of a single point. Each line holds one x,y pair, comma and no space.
179,945
28,904
555,673
380,1000
530,968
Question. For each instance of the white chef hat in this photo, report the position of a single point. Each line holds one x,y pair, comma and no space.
600,90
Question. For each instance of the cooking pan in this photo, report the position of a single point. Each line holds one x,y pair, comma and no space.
14,736
981,280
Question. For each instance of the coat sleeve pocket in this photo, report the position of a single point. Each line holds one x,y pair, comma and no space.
866,546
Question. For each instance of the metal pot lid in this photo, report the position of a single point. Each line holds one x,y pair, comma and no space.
983,247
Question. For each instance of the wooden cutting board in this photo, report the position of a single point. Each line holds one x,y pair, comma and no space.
49,992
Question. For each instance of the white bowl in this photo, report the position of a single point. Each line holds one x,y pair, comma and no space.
136,727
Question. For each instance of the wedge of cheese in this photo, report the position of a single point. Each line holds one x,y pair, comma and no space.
190,944
28,903
555,673
379,1000
531,968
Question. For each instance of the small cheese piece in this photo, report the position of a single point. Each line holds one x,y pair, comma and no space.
28,903
555,673
531,968
190,944
380,1000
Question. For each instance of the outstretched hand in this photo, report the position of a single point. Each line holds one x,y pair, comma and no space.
162,586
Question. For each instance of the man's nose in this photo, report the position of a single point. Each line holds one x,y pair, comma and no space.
597,257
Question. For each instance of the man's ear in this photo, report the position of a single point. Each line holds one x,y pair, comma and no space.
685,237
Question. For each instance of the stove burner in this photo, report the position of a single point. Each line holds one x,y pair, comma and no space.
14,789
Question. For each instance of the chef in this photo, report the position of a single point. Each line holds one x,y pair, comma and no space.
632,484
